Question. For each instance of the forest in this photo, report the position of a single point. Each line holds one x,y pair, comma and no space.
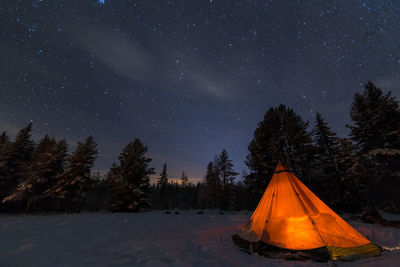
349,174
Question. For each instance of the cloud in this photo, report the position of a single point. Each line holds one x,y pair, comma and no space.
390,83
208,85
8,127
118,53
122,55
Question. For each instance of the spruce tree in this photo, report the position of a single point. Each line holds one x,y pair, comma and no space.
162,189
344,156
5,151
184,192
3,140
22,147
40,173
349,188
226,169
13,158
227,176
134,165
130,181
120,195
212,185
376,133
184,179
281,135
376,120
163,179
75,182
326,171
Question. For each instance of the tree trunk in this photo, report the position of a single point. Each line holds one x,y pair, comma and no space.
28,206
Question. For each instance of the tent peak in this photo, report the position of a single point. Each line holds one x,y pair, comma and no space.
281,167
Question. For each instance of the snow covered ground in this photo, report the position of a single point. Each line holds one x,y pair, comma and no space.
149,239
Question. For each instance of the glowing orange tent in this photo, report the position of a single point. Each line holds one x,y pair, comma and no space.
290,216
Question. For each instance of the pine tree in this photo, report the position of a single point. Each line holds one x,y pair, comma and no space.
5,149
134,165
326,171
130,181
46,163
376,120
227,176
344,155
5,152
348,186
226,169
240,197
162,189
23,146
75,182
163,179
120,196
281,135
212,185
13,158
376,133
3,140
184,179
184,192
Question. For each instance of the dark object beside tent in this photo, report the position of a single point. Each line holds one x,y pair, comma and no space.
270,251
372,215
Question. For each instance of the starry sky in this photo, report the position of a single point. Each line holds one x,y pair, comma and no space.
187,77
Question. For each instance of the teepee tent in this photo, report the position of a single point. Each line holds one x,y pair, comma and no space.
291,217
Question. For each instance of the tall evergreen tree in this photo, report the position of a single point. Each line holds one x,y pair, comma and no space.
22,147
326,171
213,185
376,133
161,190
6,184
281,135
226,169
46,163
227,176
75,182
376,120
13,158
134,165
3,139
121,194
184,179
345,154
163,179
347,186
131,179
184,192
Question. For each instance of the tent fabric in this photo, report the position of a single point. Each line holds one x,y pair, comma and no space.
290,216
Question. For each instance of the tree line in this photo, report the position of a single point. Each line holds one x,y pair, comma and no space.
346,173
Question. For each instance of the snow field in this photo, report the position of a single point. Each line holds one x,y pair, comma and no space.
149,239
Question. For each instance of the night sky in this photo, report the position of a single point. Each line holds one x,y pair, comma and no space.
187,77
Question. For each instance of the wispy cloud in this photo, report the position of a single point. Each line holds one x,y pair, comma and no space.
206,84
390,83
9,127
121,54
